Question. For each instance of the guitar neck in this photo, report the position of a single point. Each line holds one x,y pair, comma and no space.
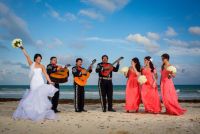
89,67
116,61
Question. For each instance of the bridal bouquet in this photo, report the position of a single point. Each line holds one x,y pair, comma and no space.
142,79
16,43
124,70
172,69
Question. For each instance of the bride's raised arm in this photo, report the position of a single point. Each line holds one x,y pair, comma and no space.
30,62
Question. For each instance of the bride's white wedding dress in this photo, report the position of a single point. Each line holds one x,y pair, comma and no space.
35,104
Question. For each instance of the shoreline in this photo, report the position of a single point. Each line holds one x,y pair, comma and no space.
94,101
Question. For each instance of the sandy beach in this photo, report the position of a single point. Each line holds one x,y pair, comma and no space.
96,122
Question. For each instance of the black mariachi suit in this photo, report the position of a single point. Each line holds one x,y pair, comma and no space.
52,69
105,86
79,92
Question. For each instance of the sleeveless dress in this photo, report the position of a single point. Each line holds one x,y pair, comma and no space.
149,93
35,104
169,95
133,98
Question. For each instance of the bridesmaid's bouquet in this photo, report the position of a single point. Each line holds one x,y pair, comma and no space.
172,69
124,70
142,79
17,43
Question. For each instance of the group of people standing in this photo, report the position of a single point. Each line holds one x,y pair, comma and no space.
147,93
35,103
105,85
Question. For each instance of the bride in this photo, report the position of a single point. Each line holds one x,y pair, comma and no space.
35,104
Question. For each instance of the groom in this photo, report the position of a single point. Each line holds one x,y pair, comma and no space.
52,68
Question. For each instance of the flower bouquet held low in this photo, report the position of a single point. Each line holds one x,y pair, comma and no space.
142,79
172,71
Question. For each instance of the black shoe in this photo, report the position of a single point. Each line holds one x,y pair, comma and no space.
56,111
104,109
111,110
78,111
84,110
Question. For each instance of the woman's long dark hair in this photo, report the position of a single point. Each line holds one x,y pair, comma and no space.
150,63
137,66
164,56
37,55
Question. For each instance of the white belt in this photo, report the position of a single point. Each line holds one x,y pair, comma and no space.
105,78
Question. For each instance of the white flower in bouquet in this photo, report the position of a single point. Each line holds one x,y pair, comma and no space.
16,43
172,69
142,79
124,70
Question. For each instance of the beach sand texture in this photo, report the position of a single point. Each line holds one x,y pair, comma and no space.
96,122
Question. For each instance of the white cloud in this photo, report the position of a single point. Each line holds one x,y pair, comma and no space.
170,32
55,42
15,77
97,9
187,73
107,5
175,42
39,42
195,43
87,24
12,26
180,47
70,16
194,30
179,51
181,43
153,36
55,14
91,14
9,63
109,40
148,44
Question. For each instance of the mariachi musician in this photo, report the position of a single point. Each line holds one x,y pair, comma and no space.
105,70
52,68
79,93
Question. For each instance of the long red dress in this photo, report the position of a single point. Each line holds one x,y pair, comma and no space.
132,92
149,93
169,95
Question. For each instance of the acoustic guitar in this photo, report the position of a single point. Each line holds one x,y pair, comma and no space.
61,76
82,81
107,68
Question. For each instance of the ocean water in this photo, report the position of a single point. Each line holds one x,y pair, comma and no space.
185,92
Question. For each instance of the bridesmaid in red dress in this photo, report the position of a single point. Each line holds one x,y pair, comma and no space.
169,96
149,91
133,98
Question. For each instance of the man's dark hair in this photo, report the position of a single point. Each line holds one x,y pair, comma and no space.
79,59
52,57
104,56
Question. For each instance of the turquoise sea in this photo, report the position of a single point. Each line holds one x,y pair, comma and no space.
185,92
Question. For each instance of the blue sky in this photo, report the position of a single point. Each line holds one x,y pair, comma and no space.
90,28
